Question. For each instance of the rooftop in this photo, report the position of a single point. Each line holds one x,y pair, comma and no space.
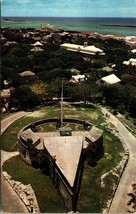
133,51
29,135
36,49
130,62
67,152
111,79
78,78
83,48
107,69
94,134
5,93
37,44
26,74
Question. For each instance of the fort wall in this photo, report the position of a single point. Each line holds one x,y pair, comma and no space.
33,151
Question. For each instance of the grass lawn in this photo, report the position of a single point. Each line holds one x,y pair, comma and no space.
9,137
46,194
91,196
5,115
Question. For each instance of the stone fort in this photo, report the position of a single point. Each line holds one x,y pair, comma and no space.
62,152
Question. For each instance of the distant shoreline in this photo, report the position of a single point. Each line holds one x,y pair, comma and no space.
111,25
108,25
13,20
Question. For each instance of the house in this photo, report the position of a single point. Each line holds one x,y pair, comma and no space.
37,44
36,49
3,39
108,80
107,69
36,38
10,43
131,40
74,71
133,51
78,78
27,77
7,83
5,93
85,49
5,97
27,74
130,62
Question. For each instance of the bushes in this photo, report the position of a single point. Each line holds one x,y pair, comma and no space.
23,98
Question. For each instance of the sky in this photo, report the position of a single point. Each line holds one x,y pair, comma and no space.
69,8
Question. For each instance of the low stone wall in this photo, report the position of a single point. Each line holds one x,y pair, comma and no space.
25,192
118,170
85,124
24,148
54,120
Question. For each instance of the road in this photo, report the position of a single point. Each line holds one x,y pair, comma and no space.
9,120
11,203
120,200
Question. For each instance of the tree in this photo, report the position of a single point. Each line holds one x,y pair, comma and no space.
54,63
23,98
111,94
52,75
54,88
40,89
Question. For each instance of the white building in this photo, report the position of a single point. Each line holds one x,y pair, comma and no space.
26,74
37,44
108,80
85,49
133,51
130,62
78,78
5,93
74,71
36,49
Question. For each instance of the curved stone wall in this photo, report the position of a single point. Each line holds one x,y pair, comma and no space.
48,121
31,155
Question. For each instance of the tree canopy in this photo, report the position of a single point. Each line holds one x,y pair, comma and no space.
54,63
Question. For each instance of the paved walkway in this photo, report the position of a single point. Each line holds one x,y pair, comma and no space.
11,202
9,120
120,200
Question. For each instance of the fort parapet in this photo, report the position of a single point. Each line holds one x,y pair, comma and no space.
62,152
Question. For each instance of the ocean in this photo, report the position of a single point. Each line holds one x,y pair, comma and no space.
114,26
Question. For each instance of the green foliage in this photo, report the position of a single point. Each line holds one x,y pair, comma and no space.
40,89
10,60
53,63
54,74
20,50
23,98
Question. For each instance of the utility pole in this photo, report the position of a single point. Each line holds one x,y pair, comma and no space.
62,103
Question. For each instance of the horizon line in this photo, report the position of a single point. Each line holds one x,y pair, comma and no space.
68,17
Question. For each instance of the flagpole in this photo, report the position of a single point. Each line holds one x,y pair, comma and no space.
62,103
